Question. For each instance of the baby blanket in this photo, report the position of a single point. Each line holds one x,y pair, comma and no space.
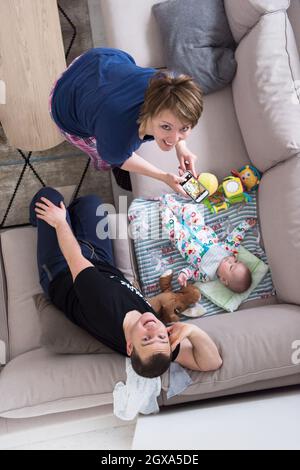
155,254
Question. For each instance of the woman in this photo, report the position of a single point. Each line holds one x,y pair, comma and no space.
108,107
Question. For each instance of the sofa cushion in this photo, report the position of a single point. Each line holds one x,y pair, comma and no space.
199,43
60,335
244,14
256,345
279,210
40,382
266,97
19,256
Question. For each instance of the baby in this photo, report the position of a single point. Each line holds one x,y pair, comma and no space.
208,258
220,261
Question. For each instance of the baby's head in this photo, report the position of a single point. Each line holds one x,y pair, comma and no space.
234,274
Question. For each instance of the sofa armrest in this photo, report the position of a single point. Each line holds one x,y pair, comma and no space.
3,315
279,212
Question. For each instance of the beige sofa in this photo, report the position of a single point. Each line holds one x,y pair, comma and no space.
256,119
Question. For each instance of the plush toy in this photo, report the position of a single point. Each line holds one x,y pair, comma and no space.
249,176
169,304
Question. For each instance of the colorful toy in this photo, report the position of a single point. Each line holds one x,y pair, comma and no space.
209,181
217,207
230,191
234,191
249,176
217,202
232,186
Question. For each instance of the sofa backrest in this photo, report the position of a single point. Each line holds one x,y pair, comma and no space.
137,33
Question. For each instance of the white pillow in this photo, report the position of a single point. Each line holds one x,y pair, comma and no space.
266,91
242,15
217,293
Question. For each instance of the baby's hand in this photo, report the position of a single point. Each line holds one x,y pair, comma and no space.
182,279
252,222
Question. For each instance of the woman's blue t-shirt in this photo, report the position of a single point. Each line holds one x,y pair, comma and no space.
100,96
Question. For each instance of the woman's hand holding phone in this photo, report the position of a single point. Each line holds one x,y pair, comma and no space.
193,188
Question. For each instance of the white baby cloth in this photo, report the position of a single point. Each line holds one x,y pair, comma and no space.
138,395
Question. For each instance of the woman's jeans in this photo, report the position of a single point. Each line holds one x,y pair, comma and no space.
82,218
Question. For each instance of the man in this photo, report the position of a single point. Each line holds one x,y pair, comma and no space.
77,273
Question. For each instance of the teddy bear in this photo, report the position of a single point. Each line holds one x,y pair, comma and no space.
169,304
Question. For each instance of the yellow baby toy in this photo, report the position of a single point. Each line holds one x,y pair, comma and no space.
209,181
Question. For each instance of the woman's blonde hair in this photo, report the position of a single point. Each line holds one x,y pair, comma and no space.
175,92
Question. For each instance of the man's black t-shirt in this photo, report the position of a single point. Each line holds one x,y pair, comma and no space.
98,301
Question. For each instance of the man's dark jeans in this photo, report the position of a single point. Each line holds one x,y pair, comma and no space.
82,218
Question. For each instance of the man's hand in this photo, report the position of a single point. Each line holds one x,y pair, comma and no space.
182,279
174,182
50,213
252,221
186,159
178,331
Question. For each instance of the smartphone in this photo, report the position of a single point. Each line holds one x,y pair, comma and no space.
193,188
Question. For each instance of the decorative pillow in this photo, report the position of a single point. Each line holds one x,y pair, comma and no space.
244,14
197,41
60,335
266,91
217,293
